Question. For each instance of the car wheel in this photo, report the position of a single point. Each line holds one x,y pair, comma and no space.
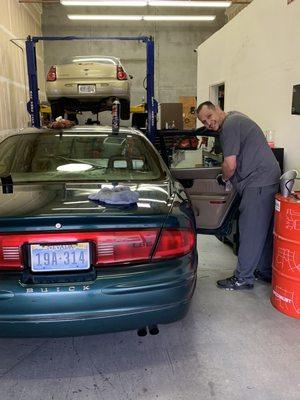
125,109
57,109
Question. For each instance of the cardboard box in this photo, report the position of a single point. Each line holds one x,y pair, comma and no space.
171,116
189,105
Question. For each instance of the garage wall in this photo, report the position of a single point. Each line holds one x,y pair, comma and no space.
16,21
257,56
175,59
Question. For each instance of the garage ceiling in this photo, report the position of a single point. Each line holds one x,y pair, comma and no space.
57,1
236,6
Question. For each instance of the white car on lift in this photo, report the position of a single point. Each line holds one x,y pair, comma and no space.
88,83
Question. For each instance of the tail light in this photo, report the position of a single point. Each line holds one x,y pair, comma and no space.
111,247
174,243
121,74
125,246
51,76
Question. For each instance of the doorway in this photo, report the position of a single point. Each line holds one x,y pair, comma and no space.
217,94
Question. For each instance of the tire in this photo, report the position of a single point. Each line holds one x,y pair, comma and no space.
125,109
57,109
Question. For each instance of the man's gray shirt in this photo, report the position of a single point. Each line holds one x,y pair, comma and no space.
256,163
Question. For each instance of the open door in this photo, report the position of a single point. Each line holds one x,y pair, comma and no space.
213,206
196,166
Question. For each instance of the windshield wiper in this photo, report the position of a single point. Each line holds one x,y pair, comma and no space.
76,160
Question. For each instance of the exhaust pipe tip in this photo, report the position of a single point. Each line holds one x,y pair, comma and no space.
153,330
142,331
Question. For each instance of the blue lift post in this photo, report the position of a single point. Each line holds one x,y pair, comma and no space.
33,107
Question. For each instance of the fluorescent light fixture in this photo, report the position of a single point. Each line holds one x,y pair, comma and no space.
144,3
175,3
79,17
179,17
105,17
105,3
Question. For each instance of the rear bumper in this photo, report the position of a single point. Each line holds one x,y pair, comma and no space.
57,90
126,300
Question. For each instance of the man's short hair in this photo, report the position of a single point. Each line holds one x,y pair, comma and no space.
209,104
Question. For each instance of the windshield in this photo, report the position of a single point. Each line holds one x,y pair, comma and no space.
84,156
96,59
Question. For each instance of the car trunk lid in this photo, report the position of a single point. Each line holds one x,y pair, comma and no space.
43,207
57,228
86,70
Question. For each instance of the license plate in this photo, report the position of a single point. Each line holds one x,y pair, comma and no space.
87,88
60,257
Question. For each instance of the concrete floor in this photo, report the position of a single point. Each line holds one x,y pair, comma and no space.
232,345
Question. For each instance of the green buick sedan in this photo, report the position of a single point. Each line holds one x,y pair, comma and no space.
95,235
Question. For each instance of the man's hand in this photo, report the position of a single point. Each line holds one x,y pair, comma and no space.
220,180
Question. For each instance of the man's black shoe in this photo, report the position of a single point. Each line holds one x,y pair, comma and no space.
261,277
233,283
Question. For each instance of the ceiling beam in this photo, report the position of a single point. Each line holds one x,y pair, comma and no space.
39,1
57,1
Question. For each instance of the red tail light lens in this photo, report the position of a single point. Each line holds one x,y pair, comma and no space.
121,74
51,76
125,246
111,247
174,243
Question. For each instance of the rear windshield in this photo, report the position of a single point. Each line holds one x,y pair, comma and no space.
57,157
94,59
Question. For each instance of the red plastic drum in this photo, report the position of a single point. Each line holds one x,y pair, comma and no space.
286,258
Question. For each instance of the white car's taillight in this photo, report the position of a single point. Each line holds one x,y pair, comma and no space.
51,76
121,74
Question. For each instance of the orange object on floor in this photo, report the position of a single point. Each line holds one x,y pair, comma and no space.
286,257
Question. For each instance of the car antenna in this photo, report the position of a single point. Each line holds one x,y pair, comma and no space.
116,112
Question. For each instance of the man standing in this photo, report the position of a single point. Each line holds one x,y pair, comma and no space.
253,170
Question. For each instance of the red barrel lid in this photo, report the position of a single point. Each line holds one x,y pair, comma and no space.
290,199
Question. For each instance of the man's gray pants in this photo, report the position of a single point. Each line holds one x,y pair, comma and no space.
256,222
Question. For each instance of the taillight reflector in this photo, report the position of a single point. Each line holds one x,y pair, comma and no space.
10,253
51,76
174,243
121,74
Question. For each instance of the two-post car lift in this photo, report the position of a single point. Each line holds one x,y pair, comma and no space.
34,104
